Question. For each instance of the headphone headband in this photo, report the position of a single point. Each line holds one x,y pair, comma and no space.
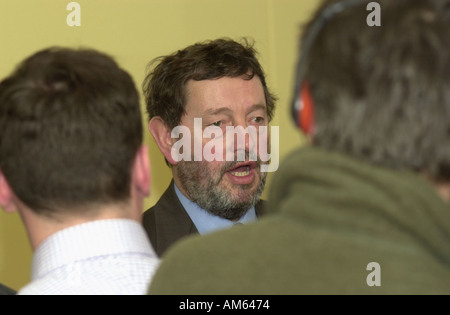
298,104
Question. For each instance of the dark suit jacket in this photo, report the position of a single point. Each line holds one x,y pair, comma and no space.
167,221
6,291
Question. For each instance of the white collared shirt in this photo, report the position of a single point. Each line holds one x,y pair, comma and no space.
99,257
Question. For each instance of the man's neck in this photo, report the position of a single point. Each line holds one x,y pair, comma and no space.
442,187
39,227
444,191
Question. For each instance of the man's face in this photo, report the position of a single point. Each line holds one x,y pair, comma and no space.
225,187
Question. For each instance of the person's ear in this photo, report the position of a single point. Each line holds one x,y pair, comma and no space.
6,195
142,171
163,137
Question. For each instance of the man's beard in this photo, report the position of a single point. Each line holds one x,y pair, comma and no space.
202,186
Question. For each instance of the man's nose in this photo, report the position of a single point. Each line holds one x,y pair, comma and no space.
245,138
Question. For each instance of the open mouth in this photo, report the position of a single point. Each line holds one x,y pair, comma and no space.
242,169
242,173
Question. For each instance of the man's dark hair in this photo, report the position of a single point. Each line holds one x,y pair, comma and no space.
165,85
383,93
70,127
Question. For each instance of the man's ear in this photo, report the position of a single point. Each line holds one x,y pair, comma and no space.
162,135
142,172
6,195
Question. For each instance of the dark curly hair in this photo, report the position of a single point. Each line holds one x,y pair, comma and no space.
164,85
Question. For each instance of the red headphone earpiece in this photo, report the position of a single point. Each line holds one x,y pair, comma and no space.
302,108
305,113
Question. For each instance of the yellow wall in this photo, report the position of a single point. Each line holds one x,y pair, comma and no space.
134,32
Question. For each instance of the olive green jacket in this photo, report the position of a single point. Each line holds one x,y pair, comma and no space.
336,226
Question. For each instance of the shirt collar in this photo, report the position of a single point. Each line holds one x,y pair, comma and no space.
88,240
204,221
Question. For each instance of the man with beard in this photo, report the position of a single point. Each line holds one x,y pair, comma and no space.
222,83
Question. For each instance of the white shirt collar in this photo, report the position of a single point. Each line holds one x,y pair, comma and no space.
87,240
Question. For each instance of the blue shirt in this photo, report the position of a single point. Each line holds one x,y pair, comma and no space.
206,222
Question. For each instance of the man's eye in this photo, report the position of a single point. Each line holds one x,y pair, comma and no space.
217,123
258,120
